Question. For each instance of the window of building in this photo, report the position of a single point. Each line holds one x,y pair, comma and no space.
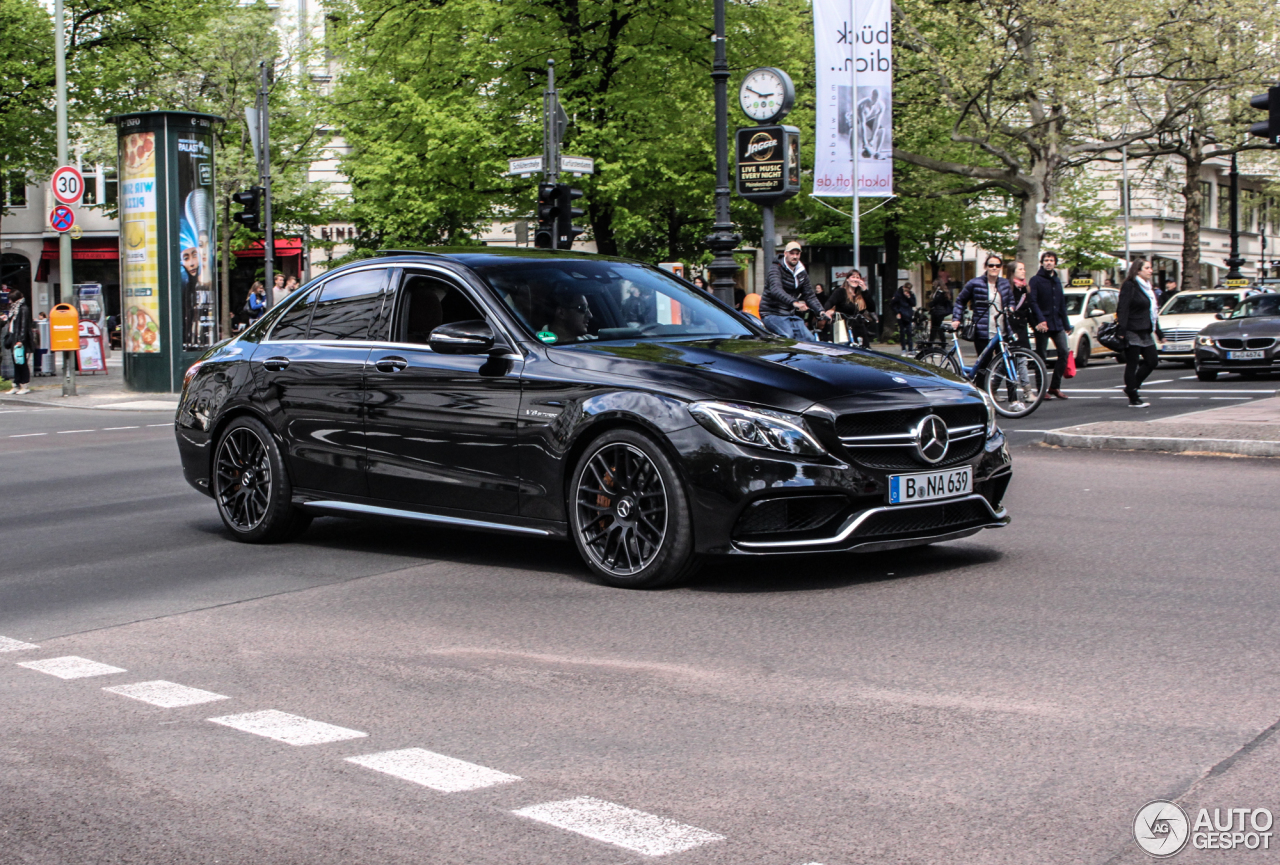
1224,206
90,189
1206,203
110,188
13,189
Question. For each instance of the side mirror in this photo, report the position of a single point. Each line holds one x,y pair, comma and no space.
1097,313
463,337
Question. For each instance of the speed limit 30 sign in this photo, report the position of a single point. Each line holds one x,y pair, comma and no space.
68,184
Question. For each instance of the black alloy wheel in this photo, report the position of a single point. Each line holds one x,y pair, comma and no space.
630,517
1084,351
251,486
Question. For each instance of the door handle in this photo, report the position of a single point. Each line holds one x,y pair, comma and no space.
275,364
391,364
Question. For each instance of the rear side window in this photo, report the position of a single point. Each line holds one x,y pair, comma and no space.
293,324
348,305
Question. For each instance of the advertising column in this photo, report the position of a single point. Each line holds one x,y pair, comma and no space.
167,238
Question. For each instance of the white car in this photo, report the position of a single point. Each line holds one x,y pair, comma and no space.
1185,314
1088,308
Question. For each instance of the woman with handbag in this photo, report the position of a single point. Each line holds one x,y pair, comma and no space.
1137,317
17,339
850,300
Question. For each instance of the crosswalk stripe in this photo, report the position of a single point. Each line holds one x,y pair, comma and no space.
446,774
290,729
642,833
166,695
71,667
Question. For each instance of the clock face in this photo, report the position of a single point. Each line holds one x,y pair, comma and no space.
762,94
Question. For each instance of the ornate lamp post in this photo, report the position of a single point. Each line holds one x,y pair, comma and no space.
722,239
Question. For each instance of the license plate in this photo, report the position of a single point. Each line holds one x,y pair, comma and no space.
1178,346
930,485
1246,355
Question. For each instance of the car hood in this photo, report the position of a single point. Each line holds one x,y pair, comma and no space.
1262,325
1187,321
780,372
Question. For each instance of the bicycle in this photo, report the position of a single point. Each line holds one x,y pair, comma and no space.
1016,380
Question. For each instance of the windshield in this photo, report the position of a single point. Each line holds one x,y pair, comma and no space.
1258,306
574,301
1193,304
1074,303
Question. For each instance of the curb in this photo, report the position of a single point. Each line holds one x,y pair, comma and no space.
42,404
1243,447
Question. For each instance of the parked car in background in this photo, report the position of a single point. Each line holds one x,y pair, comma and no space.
1246,341
1088,308
1187,313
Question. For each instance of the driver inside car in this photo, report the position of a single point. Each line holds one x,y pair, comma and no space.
570,317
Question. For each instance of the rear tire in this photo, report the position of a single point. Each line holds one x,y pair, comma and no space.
1028,389
1207,374
940,358
629,513
251,487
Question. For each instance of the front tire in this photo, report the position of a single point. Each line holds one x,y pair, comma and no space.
1084,350
940,358
629,514
251,486
1020,396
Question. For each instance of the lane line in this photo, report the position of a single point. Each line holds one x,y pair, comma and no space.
642,833
112,428
8,644
1232,397
166,695
160,424
1168,390
446,774
1190,397
290,729
26,435
71,667
63,432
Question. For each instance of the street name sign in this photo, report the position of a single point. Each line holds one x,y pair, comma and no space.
524,167
578,164
68,185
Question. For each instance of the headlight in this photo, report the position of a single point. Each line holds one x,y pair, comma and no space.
991,414
1204,340
757,427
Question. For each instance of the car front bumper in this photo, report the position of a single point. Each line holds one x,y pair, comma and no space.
1215,359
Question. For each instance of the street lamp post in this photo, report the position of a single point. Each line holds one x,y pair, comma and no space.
722,239
1233,263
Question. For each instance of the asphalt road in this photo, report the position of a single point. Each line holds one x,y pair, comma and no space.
1015,697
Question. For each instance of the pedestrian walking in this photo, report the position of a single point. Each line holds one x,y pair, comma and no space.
1020,315
1137,317
1170,289
256,304
904,307
788,295
17,340
1049,305
699,282
853,302
278,292
985,295
939,308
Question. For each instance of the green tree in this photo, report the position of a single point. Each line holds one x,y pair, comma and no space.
26,88
1085,232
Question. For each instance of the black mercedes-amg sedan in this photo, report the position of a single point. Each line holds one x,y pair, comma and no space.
568,395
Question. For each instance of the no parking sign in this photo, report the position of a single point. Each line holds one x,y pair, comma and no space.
62,218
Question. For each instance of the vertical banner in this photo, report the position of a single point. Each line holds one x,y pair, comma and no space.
838,109
141,272
194,169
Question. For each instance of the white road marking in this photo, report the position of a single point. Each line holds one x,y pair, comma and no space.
63,432
113,428
1231,397
160,424
436,771
166,695
8,644
71,667
1166,390
1188,397
633,830
27,435
290,729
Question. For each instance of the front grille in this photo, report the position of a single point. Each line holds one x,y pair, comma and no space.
874,423
1180,335
786,515
1260,342
944,516
1231,342
906,458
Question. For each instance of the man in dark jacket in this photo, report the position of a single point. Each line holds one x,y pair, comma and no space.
788,295
1049,305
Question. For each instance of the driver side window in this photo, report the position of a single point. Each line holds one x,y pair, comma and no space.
425,303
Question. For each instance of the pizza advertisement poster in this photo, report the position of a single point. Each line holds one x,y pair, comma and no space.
141,271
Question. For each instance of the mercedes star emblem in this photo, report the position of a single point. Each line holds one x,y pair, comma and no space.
932,439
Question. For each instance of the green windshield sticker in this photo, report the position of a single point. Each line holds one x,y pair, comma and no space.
546,336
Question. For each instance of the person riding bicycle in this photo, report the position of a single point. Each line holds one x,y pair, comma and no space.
985,294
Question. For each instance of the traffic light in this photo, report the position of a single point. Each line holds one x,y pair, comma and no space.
251,201
548,206
566,213
1270,103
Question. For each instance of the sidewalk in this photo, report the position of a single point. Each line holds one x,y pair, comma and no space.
93,391
1252,429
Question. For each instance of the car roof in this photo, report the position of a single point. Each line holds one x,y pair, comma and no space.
472,256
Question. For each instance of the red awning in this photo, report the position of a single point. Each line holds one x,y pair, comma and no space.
86,248
286,247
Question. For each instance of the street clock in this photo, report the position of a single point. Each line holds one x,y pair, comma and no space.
766,94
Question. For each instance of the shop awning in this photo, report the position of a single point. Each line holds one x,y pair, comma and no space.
86,248
286,247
